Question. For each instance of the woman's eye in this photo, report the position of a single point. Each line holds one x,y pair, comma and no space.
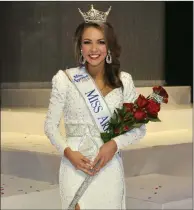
86,42
102,42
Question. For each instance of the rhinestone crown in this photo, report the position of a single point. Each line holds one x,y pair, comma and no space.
94,15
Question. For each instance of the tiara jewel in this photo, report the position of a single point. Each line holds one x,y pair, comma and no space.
94,15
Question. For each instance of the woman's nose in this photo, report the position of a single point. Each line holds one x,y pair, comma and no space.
94,48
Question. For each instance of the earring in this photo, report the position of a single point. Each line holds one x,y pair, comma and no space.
82,60
109,58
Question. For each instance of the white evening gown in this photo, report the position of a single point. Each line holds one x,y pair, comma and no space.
107,190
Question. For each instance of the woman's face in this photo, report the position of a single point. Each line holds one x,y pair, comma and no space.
93,46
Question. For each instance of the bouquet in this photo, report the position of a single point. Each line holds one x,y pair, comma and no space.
134,115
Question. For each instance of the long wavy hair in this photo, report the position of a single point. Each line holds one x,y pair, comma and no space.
112,71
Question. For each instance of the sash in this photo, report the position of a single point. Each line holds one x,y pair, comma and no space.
98,110
92,96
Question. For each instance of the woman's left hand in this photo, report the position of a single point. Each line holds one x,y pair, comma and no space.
106,153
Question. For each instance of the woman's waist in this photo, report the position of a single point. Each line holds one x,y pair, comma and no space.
79,142
83,137
79,130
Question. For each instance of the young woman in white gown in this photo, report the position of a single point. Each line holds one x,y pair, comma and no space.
97,49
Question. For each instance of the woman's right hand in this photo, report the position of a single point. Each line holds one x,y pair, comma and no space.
79,161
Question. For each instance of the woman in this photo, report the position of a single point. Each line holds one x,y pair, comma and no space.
98,54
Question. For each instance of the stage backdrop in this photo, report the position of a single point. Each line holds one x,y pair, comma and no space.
37,38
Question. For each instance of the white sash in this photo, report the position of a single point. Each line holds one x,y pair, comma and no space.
92,96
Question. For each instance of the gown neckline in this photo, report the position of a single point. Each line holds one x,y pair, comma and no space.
109,93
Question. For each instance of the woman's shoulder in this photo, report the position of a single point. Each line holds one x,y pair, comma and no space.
62,75
125,77
61,78
128,82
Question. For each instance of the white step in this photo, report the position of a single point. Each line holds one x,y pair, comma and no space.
172,158
31,121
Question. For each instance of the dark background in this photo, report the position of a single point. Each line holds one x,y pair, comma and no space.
36,39
179,44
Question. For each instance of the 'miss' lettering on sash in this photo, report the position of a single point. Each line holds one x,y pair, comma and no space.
93,98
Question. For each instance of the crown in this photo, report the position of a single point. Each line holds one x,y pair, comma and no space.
94,15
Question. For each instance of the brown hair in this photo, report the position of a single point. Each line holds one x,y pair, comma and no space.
112,71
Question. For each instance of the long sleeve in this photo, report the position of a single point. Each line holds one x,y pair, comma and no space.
54,114
130,94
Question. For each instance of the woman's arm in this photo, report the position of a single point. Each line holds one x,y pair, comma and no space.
130,95
54,113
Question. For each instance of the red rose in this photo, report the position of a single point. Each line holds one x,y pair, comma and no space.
128,106
153,108
160,91
141,101
140,114
126,128
165,100
156,89
117,131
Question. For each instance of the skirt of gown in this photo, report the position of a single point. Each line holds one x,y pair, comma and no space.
107,190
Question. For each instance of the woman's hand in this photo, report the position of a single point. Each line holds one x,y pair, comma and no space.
106,153
78,161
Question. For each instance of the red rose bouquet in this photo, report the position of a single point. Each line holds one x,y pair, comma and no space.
134,115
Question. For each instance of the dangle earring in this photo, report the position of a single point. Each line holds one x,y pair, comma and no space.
109,58
82,60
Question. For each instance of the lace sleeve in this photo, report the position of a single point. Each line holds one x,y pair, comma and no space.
54,113
130,94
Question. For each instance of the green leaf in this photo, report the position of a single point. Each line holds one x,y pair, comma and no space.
105,137
120,112
146,121
113,121
137,125
130,124
155,120
123,112
151,117
128,115
116,116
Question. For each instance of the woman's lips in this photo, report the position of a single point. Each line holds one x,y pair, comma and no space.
94,56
